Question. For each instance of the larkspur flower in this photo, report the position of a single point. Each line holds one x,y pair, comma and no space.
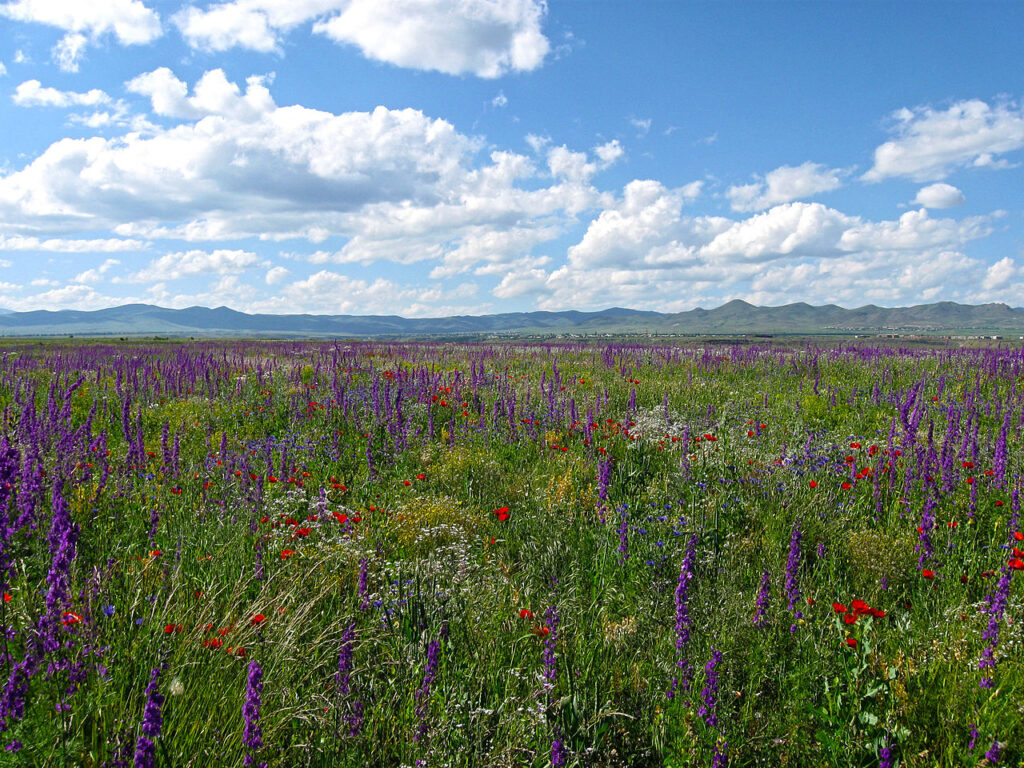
709,695
762,600
252,731
152,723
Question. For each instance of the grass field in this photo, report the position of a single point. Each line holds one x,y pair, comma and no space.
325,554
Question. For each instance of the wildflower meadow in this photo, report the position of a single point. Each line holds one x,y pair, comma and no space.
420,554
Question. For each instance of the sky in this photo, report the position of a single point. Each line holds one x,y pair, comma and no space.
428,158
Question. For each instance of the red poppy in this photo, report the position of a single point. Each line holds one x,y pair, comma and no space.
970,481
877,613
850,618
855,445
838,607
813,484
421,477
272,479
170,629
285,554
928,574
406,482
1018,535
860,607
257,619
303,531
1017,564
810,601
542,631
155,553
502,513
852,642
70,617
7,597
213,642
846,486
525,613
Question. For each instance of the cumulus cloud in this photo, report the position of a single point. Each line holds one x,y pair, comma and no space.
131,22
31,93
74,296
281,172
930,144
784,184
939,195
478,37
332,293
213,94
277,275
395,184
644,252
175,266
97,274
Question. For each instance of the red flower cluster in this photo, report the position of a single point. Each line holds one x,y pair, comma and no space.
857,608
502,513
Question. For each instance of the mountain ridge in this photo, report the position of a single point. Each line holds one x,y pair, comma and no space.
734,317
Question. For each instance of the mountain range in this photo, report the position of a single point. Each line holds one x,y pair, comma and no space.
735,317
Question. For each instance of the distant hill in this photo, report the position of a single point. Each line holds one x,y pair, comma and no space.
735,317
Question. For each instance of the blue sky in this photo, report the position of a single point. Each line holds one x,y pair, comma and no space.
427,158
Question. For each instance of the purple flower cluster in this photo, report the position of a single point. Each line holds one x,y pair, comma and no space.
252,732
762,600
152,723
997,602
423,693
683,620
721,758
709,696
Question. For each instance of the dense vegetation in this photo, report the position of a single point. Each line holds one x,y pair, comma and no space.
366,554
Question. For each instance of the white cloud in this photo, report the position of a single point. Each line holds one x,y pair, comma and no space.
97,274
97,245
915,230
642,126
277,275
213,95
31,93
609,152
280,172
69,50
643,252
3,69
130,21
783,185
397,185
175,266
501,100
939,196
479,37
327,292
1000,275
74,296
930,144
